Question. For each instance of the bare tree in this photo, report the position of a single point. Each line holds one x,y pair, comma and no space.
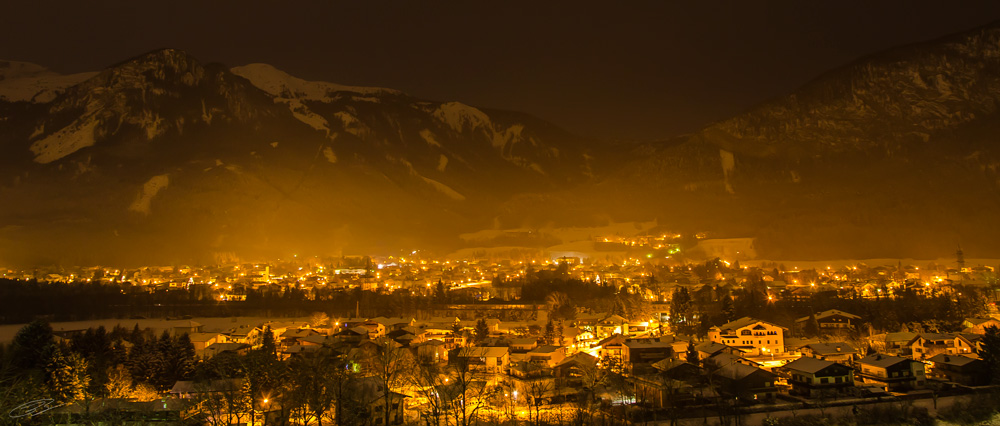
428,381
319,319
535,390
319,379
389,365
472,390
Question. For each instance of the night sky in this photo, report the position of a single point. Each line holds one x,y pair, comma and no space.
614,70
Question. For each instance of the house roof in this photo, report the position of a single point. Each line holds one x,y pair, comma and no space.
738,371
647,343
710,347
668,364
546,349
831,348
882,360
830,313
955,360
746,322
431,342
979,321
808,364
614,320
579,358
202,337
315,338
483,351
937,336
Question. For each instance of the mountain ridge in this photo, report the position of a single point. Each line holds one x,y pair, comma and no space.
136,151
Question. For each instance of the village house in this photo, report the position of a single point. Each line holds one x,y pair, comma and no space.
755,337
547,355
494,360
979,325
640,354
831,320
892,373
926,345
746,382
816,377
834,351
960,369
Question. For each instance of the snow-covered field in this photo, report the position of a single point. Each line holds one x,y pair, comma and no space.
211,324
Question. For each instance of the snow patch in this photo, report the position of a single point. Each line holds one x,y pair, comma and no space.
507,137
429,138
352,125
281,84
330,155
444,189
442,163
305,115
153,124
460,116
23,81
72,138
149,190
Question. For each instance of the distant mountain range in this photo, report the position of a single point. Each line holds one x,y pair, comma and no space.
162,158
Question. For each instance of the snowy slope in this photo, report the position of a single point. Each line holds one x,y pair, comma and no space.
23,81
282,85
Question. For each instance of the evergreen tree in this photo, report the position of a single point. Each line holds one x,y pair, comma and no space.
182,358
692,353
680,306
267,343
482,330
550,332
66,375
812,326
439,292
728,309
990,353
30,345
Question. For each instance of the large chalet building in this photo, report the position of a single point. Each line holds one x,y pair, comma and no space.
753,336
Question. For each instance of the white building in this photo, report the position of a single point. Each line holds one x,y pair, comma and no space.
756,337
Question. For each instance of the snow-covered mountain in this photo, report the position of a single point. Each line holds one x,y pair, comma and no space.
163,158
179,156
896,154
